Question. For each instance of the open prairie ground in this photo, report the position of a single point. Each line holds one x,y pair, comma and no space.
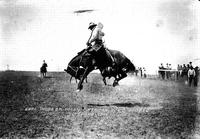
34,107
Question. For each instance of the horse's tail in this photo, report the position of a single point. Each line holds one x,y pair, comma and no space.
131,65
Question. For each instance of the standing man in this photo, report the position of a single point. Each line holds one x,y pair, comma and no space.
196,78
191,75
190,64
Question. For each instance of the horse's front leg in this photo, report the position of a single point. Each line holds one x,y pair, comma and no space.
70,79
80,86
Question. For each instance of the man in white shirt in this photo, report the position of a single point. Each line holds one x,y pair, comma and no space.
95,40
191,75
96,46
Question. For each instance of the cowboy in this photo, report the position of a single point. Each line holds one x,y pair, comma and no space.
95,42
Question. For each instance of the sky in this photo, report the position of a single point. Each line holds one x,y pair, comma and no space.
148,32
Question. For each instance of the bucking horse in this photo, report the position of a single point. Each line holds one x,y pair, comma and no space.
84,62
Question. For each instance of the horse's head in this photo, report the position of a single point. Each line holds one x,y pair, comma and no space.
83,59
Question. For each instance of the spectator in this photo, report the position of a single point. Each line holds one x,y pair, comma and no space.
136,71
191,75
190,64
140,69
170,66
179,70
167,73
167,66
161,66
196,78
144,72
162,73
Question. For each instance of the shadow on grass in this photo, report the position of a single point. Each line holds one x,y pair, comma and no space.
120,105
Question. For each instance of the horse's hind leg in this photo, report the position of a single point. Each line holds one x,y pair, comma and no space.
121,76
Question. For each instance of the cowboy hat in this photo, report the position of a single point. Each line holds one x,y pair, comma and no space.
92,25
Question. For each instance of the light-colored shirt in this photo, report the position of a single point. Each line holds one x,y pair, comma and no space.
191,72
97,34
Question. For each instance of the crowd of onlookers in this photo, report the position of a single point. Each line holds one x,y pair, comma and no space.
141,71
191,72
188,70
164,74
168,66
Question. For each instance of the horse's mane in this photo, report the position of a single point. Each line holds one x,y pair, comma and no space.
79,54
73,59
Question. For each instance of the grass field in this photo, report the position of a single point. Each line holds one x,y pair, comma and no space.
34,107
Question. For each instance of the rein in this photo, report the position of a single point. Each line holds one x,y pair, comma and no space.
72,68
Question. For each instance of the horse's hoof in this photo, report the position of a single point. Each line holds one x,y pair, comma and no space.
79,88
115,84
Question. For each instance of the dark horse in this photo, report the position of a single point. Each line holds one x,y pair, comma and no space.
43,71
88,62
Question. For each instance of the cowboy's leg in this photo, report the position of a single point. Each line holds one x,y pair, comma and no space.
110,58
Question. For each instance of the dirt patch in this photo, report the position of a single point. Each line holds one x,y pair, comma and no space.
32,107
